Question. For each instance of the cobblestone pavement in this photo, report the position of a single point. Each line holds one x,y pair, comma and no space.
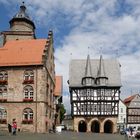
63,136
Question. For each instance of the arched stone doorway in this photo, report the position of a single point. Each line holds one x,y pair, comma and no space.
108,127
82,127
95,127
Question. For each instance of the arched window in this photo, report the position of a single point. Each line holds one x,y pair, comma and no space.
3,77
3,93
3,116
27,116
28,77
28,92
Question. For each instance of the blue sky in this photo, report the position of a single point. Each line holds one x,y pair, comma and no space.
113,25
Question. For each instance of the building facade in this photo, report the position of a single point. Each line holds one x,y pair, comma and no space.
133,111
58,97
27,76
94,87
121,122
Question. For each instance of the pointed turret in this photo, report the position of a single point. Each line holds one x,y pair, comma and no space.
101,76
21,21
88,67
88,80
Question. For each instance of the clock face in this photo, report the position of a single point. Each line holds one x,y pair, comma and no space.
1,40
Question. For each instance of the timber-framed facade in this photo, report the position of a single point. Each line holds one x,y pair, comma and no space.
94,93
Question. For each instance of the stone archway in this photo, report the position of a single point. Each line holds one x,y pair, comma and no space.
108,127
82,127
95,127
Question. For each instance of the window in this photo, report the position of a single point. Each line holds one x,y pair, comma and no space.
121,118
3,93
28,92
28,77
121,110
3,116
27,116
3,75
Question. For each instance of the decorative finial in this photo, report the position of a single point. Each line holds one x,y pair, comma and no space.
23,2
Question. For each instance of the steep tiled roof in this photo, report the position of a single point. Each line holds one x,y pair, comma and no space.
58,86
22,52
129,99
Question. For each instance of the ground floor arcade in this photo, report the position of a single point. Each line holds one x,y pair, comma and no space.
95,125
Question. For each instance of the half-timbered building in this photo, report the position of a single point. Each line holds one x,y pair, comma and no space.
133,111
94,87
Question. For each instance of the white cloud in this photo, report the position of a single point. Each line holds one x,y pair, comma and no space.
93,24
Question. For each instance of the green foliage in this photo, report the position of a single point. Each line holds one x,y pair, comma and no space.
62,112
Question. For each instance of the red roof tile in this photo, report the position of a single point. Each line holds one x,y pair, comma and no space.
22,52
129,99
58,86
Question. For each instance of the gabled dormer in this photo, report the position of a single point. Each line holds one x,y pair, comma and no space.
101,79
88,79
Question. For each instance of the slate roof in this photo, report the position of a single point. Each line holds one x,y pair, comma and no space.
111,67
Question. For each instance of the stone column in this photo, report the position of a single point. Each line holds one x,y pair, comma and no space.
101,127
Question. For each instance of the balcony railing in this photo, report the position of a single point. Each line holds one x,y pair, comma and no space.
26,121
3,121
27,100
3,82
3,100
28,81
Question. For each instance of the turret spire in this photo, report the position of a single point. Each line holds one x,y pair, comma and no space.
101,71
22,7
22,16
88,67
101,75
87,79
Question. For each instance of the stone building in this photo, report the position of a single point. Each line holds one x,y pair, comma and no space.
94,87
27,76
133,111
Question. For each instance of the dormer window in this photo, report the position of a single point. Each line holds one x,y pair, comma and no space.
102,81
88,81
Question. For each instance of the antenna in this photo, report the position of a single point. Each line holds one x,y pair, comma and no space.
131,92
117,53
101,50
88,49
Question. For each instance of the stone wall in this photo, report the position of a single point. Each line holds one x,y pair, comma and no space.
15,105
